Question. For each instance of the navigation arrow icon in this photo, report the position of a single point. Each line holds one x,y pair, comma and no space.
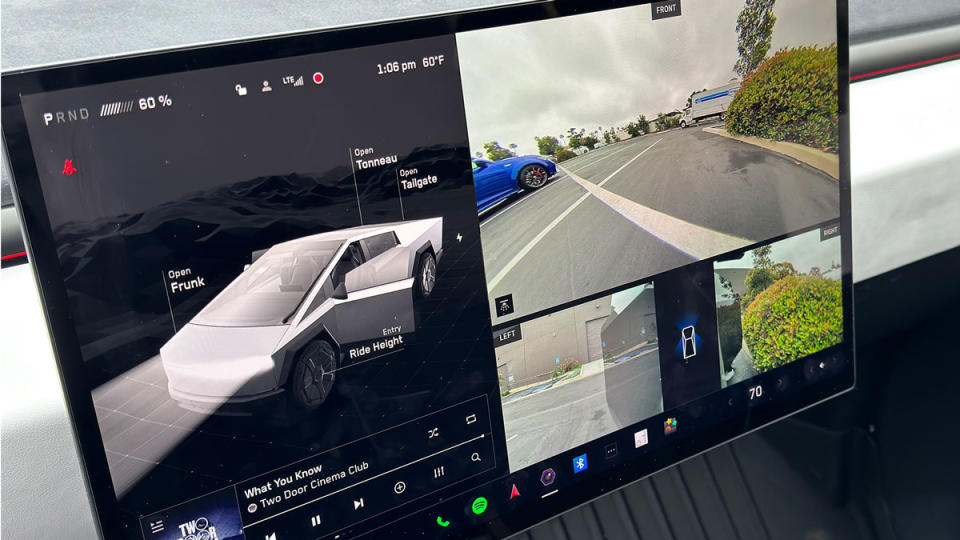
514,492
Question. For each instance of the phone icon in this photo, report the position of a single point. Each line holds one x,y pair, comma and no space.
442,522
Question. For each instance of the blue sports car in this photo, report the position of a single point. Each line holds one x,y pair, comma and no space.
497,180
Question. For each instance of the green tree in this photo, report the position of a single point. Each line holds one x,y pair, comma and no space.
548,145
610,136
640,127
513,148
495,152
575,138
764,273
589,141
663,122
754,35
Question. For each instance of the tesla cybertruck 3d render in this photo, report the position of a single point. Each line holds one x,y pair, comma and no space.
302,310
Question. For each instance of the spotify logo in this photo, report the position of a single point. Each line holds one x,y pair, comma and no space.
479,505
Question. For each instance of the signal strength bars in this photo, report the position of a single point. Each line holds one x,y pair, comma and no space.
115,108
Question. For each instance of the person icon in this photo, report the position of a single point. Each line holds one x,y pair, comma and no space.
266,87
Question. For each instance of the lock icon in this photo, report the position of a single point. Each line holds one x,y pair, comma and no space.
241,90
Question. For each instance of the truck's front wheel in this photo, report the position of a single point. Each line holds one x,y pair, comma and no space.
313,374
683,124
723,117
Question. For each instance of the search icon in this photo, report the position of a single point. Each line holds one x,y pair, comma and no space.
475,457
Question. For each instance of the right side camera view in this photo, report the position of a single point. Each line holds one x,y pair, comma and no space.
779,303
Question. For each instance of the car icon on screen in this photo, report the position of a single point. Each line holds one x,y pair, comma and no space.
302,310
688,338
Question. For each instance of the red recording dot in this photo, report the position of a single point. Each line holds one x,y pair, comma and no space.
318,77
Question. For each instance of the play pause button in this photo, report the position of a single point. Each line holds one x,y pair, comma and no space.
315,521
358,503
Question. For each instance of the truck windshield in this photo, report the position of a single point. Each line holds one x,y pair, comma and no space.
267,291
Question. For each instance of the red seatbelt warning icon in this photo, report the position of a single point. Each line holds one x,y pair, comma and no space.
68,168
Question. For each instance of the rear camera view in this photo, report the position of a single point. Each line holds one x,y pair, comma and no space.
608,147
578,374
779,303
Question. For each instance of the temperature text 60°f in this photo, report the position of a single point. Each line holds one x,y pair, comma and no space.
398,66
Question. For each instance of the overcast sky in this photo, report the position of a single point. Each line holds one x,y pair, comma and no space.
803,251
604,69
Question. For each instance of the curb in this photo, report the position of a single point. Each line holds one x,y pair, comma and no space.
826,162
580,376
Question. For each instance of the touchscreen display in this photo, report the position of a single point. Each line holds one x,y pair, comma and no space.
453,282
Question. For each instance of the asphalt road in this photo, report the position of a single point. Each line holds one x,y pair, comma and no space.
644,206
554,420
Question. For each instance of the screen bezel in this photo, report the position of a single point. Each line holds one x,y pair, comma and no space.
42,251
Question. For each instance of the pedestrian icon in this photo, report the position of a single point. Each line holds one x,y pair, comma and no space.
504,305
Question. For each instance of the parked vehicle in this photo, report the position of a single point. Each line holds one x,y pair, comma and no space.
302,310
496,180
711,103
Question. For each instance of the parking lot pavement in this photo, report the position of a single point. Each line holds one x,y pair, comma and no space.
551,421
644,206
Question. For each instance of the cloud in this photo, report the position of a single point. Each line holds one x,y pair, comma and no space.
604,69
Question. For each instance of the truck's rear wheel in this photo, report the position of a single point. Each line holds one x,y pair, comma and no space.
723,116
426,276
313,374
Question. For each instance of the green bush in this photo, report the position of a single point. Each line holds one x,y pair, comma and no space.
796,316
792,97
564,154
567,366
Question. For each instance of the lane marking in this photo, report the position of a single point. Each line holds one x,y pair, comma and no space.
583,165
524,197
530,245
694,240
492,284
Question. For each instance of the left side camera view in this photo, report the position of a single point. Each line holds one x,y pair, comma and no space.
578,373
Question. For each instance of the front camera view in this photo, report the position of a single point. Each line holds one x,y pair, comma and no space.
608,148
578,374
778,303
